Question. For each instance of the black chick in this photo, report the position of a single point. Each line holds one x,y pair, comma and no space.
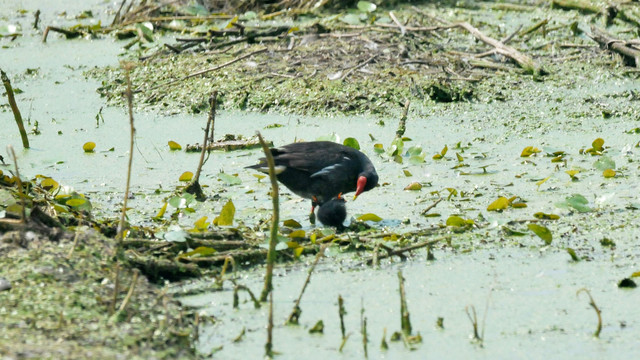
333,213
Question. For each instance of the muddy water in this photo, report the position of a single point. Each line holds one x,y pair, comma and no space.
533,310
530,288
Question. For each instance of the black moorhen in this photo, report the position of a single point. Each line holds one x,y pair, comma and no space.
333,213
321,170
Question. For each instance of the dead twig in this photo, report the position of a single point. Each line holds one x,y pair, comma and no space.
430,207
403,29
400,252
297,311
132,130
362,64
631,55
523,60
595,307
23,213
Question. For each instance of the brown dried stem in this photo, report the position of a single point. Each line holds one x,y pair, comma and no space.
271,255
14,108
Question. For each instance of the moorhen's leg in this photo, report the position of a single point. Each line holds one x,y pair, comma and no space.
312,215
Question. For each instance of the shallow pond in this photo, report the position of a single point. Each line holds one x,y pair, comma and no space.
530,288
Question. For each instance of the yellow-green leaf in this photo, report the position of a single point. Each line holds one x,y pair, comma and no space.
174,145
186,176
542,232
198,252
163,209
573,173
298,251
292,224
370,217
414,186
597,144
407,173
297,234
529,150
518,205
543,181
226,214
455,220
442,153
500,204
75,202
609,173
543,216
231,22
49,184
460,158
89,146
201,224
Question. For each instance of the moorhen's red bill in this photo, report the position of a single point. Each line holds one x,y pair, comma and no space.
333,213
321,170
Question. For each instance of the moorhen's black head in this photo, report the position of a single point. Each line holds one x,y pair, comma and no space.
333,212
367,180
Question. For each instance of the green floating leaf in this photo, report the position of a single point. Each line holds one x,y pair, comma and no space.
604,163
511,232
396,147
146,30
226,215
542,232
333,137
351,19
378,148
352,143
366,6
579,203
370,217
229,179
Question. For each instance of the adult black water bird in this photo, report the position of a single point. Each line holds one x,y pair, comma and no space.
321,170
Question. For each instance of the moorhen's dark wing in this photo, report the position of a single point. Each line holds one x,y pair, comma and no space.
320,169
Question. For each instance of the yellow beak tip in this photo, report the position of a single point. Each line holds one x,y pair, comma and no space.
355,196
